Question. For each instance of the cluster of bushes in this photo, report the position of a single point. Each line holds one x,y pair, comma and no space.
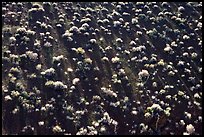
100,68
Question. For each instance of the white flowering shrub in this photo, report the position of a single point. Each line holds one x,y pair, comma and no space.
14,70
108,92
115,60
58,59
48,44
59,85
88,60
32,56
80,50
49,72
57,129
75,81
143,75
190,129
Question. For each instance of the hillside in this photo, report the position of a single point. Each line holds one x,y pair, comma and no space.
102,68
